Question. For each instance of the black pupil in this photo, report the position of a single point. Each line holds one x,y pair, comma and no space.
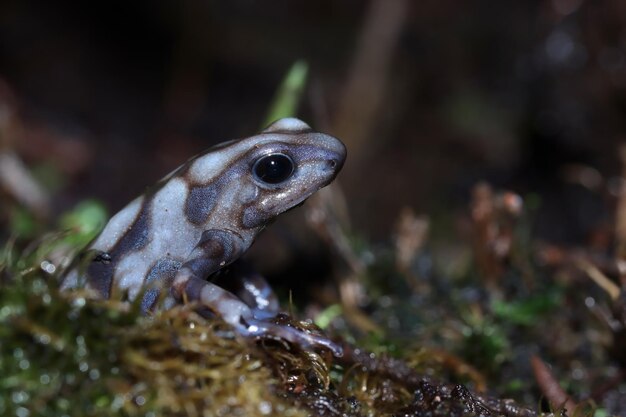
273,169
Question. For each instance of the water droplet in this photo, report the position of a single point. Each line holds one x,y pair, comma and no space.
5,312
79,302
265,407
578,374
19,397
48,267
44,339
18,353
117,403
22,412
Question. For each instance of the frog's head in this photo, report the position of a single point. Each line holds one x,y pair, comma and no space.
244,184
286,163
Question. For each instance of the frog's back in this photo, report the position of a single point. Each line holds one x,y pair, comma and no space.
152,231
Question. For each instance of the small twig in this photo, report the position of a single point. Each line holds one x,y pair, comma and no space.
16,180
620,221
550,386
323,215
410,235
326,212
365,87
494,216
599,278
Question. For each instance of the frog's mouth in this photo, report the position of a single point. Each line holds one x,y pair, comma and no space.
253,217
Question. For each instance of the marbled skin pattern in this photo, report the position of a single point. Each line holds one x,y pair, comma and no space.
205,215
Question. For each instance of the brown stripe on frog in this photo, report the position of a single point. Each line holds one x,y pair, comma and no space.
203,198
160,275
200,203
100,270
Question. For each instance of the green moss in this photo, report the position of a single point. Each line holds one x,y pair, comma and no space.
62,354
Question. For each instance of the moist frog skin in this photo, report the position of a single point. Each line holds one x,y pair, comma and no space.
203,216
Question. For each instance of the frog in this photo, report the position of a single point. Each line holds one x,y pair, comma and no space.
163,247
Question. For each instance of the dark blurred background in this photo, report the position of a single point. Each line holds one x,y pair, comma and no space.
100,99
430,96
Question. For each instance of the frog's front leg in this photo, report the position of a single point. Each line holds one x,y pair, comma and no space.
252,288
216,249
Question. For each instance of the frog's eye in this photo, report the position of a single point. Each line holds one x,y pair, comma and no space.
273,169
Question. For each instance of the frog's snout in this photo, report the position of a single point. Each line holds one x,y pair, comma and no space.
336,156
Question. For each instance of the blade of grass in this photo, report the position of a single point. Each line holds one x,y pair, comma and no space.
287,97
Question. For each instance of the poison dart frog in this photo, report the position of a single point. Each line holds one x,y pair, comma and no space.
203,216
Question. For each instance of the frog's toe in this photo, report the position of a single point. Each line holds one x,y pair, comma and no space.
298,337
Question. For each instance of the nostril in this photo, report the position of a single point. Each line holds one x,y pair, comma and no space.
332,163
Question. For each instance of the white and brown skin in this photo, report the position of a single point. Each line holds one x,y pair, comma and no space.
205,215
